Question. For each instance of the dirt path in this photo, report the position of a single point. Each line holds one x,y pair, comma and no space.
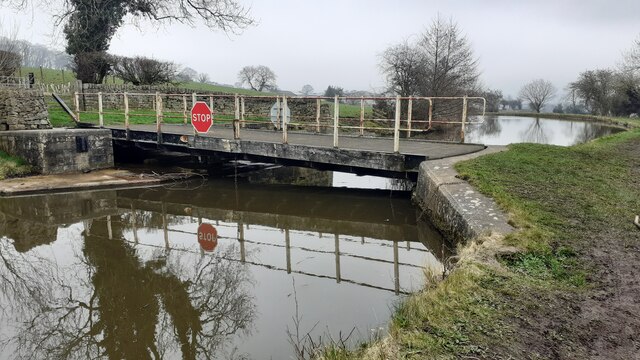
608,320
603,321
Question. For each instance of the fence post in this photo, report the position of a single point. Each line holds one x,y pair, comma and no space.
236,119
100,115
409,116
242,111
430,112
284,120
126,115
464,118
336,118
184,109
317,115
211,106
76,101
195,132
396,127
278,113
159,117
361,115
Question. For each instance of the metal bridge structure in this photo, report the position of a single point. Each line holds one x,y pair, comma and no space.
387,136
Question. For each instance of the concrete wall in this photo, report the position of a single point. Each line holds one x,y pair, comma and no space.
23,109
454,206
61,150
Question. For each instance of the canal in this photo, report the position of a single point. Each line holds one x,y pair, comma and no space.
121,273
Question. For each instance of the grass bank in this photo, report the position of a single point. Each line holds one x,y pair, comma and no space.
538,292
11,166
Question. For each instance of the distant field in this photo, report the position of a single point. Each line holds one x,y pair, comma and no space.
58,77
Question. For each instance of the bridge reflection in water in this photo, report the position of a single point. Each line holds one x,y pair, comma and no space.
128,276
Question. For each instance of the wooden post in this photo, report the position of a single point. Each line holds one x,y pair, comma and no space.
336,118
278,113
100,115
464,118
211,107
184,109
396,127
409,116
236,119
430,112
126,115
195,133
317,115
159,117
361,116
242,111
76,100
284,120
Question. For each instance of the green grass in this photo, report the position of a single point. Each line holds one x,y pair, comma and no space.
11,166
558,198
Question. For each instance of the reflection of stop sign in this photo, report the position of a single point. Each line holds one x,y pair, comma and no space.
201,117
207,237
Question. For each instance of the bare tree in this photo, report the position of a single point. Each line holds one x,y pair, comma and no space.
203,78
450,67
89,25
440,63
257,78
306,90
10,58
538,93
403,66
144,71
631,60
187,74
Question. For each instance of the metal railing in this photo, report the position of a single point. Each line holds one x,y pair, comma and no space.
14,82
375,116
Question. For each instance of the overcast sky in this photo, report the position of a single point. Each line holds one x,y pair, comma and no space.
333,42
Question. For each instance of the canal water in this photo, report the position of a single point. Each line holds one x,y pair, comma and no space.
123,274
504,130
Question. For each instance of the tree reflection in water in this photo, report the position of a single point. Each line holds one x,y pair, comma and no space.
110,304
535,133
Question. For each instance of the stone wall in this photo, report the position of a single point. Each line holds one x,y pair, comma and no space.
112,99
23,109
60,151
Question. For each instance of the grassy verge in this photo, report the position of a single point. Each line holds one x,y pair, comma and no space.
508,292
11,166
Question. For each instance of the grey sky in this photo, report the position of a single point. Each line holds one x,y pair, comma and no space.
338,42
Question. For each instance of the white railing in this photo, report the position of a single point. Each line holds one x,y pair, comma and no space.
314,114
14,81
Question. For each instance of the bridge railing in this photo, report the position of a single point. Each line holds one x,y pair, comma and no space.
435,118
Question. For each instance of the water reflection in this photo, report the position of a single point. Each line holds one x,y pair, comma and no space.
504,130
120,274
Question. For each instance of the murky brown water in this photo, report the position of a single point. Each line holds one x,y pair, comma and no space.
121,274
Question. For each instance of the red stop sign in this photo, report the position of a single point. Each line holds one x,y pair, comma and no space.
207,237
201,117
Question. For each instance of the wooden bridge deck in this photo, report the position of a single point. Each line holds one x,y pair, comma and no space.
306,149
